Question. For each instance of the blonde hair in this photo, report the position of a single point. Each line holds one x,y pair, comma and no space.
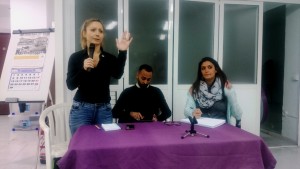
85,24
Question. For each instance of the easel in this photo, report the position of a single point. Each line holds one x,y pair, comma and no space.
192,131
28,67
30,56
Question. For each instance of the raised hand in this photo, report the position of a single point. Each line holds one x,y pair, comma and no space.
124,42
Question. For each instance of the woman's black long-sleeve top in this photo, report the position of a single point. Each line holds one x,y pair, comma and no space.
93,86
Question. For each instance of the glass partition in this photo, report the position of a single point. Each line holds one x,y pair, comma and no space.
107,12
240,43
148,24
196,37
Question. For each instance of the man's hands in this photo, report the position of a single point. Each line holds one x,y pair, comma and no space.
138,116
197,113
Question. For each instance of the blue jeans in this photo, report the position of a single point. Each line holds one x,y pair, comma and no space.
83,113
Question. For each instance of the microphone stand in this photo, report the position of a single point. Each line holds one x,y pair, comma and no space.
192,131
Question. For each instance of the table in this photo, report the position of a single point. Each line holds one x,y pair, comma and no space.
159,146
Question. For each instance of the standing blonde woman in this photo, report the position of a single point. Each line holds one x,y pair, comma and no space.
91,75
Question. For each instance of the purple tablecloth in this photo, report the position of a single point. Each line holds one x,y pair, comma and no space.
159,146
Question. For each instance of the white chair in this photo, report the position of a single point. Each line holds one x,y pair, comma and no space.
54,121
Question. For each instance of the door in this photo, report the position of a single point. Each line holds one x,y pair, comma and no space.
240,53
290,107
196,24
273,67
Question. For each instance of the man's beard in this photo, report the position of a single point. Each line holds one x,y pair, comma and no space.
143,86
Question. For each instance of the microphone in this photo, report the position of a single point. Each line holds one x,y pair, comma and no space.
91,53
193,121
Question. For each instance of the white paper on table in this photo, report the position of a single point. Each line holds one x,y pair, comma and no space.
111,126
206,122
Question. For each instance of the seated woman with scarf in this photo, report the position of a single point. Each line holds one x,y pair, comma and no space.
211,95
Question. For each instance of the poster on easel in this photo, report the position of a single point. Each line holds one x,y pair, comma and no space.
28,66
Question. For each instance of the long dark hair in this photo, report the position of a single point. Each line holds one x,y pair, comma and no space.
220,74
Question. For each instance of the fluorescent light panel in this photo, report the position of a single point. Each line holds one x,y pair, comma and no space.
111,25
166,26
162,37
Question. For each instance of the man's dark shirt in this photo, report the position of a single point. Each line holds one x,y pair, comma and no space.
147,101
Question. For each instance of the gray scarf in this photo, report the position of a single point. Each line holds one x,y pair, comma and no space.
206,99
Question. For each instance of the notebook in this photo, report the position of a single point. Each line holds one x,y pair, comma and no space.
206,122
111,126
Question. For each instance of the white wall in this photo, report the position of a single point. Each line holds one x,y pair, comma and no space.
31,14
60,63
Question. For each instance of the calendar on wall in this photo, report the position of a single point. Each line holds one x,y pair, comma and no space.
28,65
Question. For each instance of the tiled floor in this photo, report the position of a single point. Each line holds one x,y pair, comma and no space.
20,149
285,151
287,157
275,140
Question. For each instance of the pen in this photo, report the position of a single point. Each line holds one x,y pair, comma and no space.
97,126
